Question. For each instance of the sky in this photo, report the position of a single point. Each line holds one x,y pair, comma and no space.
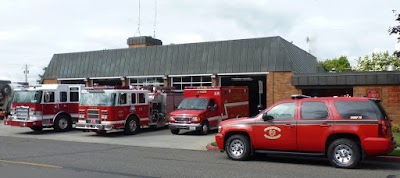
32,31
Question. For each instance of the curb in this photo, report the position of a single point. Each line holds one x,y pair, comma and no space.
212,148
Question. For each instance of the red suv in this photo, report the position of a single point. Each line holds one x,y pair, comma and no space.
345,129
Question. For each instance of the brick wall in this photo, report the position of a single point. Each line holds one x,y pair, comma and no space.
279,87
389,95
50,81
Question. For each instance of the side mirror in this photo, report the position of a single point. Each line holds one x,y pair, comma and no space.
267,117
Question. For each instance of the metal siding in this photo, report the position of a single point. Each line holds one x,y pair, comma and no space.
148,65
124,63
295,80
217,67
303,80
229,59
243,60
63,65
361,79
280,58
265,56
392,79
371,79
157,58
313,80
258,56
83,65
272,62
142,62
197,59
105,70
185,51
163,58
174,60
331,80
49,72
204,56
210,58
322,80
382,79
179,59
341,80
350,80
237,48
168,60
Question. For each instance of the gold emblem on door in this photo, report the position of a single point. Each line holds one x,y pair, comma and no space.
272,132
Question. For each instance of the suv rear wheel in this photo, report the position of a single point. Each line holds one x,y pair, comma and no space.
344,153
238,147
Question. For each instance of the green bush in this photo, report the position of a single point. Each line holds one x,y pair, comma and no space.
396,128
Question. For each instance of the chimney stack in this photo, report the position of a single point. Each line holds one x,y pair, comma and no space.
143,41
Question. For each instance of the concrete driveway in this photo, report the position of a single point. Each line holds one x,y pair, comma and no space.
160,138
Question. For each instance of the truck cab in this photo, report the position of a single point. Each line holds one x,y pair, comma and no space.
203,108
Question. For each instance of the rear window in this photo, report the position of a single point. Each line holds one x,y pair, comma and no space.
358,110
314,111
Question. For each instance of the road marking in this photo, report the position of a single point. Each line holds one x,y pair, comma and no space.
31,164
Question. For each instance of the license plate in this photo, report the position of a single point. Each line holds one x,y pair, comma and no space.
192,128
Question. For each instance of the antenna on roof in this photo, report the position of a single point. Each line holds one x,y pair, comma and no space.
155,18
138,29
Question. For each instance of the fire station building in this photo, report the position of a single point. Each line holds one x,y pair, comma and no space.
271,67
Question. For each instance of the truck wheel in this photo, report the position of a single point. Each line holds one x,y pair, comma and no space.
132,126
175,131
62,123
204,128
344,153
37,128
238,147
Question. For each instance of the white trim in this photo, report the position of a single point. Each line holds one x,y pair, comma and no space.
96,78
71,79
113,122
245,73
190,75
146,76
144,119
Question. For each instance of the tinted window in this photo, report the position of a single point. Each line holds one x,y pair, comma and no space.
141,98
49,97
122,98
63,97
284,111
74,96
133,98
355,109
313,111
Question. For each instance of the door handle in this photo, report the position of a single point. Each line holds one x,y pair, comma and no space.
325,125
289,125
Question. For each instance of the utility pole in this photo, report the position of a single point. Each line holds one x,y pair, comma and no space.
26,72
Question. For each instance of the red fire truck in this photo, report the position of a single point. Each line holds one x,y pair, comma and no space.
203,108
45,106
122,109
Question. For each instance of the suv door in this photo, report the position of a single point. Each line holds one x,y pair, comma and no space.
278,133
313,126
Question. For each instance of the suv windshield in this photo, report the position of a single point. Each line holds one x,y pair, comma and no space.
27,96
97,99
193,104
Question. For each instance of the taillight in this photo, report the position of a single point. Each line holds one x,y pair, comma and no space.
81,114
382,128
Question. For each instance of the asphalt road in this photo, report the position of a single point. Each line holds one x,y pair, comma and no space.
151,154
160,138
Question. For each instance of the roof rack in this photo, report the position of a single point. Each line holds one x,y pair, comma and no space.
299,96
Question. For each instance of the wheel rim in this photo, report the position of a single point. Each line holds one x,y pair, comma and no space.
63,123
132,125
343,154
205,128
236,148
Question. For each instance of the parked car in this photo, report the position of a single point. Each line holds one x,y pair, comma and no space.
344,129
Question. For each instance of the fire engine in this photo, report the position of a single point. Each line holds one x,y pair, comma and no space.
203,108
45,106
125,109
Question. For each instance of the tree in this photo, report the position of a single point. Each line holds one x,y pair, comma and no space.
340,64
378,62
40,80
396,30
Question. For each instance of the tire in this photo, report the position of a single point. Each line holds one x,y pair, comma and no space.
238,148
205,128
62,123
37,128
175,131
132,126
344,153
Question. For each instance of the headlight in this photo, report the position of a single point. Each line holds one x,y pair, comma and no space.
219,129
12,112
104,116
171,119
195,119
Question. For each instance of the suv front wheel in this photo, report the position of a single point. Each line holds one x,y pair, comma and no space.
344,153
238,147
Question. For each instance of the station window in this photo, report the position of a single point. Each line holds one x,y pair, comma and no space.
155,81
180,83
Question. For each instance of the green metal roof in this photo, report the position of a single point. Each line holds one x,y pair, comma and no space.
235,56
